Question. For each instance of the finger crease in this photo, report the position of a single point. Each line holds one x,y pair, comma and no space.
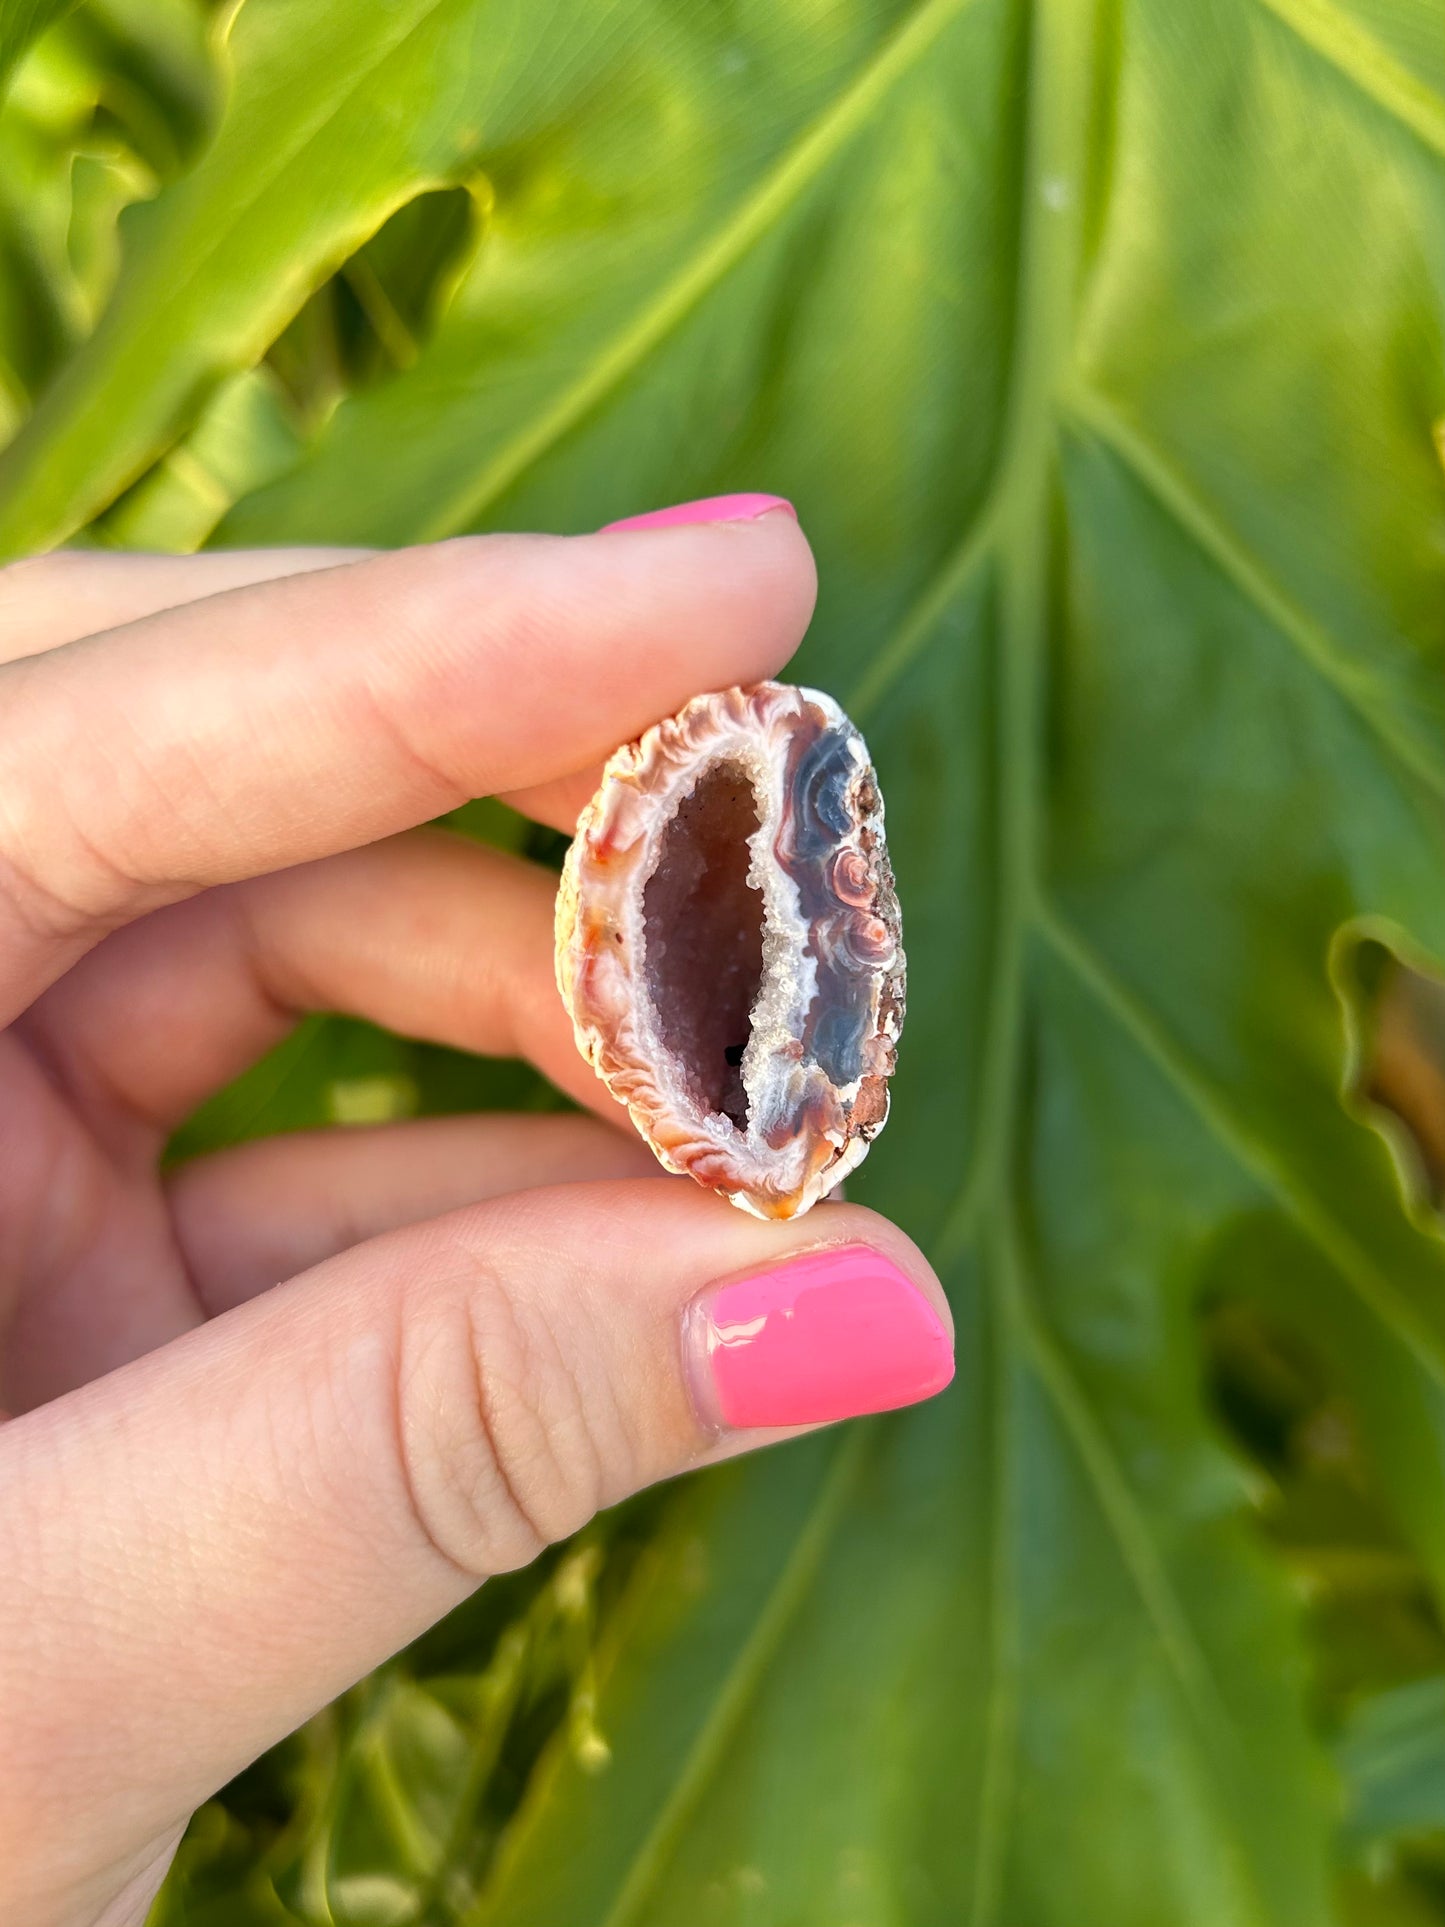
486,1417
449,789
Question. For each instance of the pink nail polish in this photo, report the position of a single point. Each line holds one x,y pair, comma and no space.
828,1335
713,508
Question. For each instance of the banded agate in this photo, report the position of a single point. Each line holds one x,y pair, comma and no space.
729,944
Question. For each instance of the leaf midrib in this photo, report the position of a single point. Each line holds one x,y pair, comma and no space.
1063,57
1017,505
1046,245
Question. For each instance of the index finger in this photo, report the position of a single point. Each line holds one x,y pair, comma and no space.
298,717
47,600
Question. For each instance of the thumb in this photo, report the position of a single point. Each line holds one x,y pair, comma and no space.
204,1547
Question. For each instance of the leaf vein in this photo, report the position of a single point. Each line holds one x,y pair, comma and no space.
1354,52
1251,1154
1099,417
705,1754
927,610
1147,1570
799,166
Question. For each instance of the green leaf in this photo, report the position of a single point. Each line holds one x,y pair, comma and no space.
245,435
21,22
219,1879
1392,1757
1101,344
112,100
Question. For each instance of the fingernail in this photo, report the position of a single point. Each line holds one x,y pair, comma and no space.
828,1335
712,508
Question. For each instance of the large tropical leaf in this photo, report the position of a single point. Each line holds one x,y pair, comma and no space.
1100,344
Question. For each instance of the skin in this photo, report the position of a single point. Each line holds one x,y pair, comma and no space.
225,1497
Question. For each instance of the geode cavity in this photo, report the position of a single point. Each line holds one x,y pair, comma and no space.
728,944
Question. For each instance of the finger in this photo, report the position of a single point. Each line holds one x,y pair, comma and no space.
249,1217
274,724
427,933
222,1535
243,1219
561,801
48,600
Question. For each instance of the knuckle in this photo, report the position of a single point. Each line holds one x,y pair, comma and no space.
60,894
57,879
499,1456
418,699
414,743
46,910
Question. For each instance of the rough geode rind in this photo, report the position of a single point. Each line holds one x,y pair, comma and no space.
729,944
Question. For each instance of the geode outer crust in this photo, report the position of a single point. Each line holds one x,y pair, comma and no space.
825,1019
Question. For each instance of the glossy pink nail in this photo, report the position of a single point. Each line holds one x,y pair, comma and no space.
713,508
828,1335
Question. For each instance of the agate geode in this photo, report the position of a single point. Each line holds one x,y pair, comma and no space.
728,944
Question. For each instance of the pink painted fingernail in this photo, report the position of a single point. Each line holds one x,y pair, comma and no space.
828,1335
712,508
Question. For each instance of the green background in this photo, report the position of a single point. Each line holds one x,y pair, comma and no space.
1099,343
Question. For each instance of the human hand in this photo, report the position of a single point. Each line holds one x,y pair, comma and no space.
223,1502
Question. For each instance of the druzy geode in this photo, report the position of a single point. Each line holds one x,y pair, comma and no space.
729,945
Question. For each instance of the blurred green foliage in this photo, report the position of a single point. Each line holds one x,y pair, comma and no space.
1100,344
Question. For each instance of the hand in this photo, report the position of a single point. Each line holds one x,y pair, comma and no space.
225,1498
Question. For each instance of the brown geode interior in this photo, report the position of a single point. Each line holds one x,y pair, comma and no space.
704,938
